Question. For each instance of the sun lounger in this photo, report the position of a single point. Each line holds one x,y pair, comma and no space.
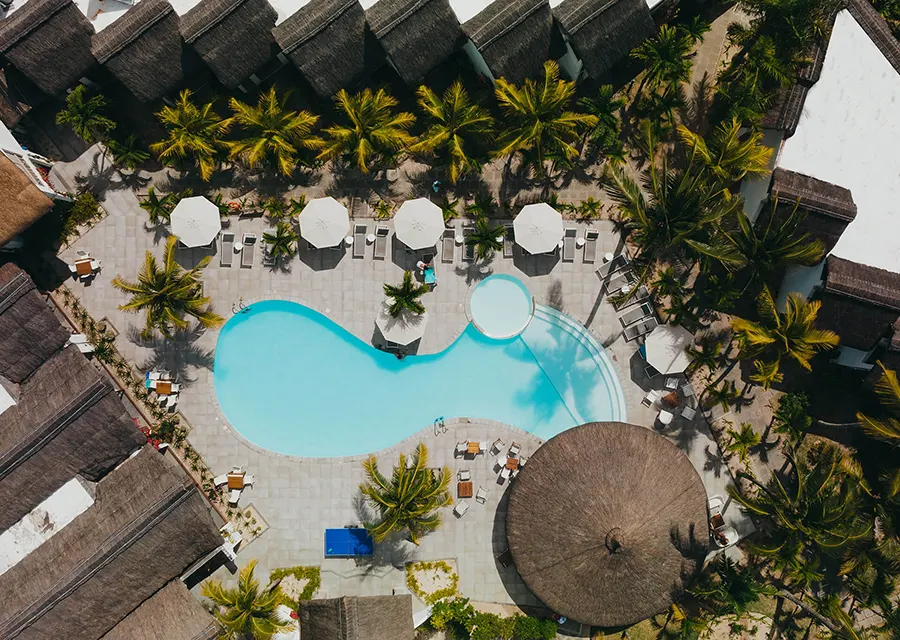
249,480
359,240
448,245
468,249
640,328
218,481
461,447
568,252
381,242
227,250
638,296
172,400
429,276
623,279
496,447
481,496
234,496
688,413
635,313
249,243
460,509
78,338
509,240
590,245
505,472
607,268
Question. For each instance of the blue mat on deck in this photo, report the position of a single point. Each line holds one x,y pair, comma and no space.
348,542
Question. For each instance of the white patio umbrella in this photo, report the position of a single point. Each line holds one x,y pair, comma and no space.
196,221
538,228
405,328
419,223
324,222
665,348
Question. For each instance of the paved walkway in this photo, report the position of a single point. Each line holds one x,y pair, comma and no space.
300,497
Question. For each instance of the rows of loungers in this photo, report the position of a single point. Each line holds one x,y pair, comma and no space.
638,317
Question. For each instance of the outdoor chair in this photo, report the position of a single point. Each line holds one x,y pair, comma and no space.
620,280
249,480
640,295
522,461
218,481
481,495
464,474
234,496
227,250
461,447
672,383
359,240
448,245
468,249
688,413
606,269
687,390
568,251
638,312
653,396
460,509
505,473
500,463
665,417
641,328
381,242
650,371
509,240
496,447
514,449
590,245
249,243
171,400
81,253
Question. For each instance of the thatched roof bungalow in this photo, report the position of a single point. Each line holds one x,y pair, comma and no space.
49,41
143,49
358,618
326,41
147,524
602,32
172,613
607,522
22,203
417,35
233,37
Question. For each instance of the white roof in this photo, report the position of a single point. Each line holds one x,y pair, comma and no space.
287,8
465,10
183,6
848,134
103,13
366,4
44,521
6,400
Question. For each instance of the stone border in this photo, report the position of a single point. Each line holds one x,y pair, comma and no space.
471,316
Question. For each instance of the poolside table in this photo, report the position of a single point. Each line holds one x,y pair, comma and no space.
83,267
163,387
512,464
474,448
235,481
716,521
464,489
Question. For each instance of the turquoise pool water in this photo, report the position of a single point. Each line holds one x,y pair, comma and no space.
292,381
501,306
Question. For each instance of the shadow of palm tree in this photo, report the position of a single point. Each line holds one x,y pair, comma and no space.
104,176
395,551
475,271
177,356
715,461
555,296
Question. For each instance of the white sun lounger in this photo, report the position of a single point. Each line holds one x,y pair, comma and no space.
620,280
619,262
590,245
568,252
460,509
234,496
381,242
218,481
504,473
448,245
641,328
462,447
359,240
509,240
227,250
481,496
468,249
635,313
249,243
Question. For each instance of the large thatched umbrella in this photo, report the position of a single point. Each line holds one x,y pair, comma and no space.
605,522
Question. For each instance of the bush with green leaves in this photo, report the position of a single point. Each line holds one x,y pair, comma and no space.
313,575
460,620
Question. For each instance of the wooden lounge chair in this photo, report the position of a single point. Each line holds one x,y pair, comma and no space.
635,313
249,243
509,240
448,245
359,240
227,250
641,328
590,245
568,252
468,249
607,268
381,241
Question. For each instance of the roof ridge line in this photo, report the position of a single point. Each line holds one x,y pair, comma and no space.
515,23
324,25
214,22
592,15
399,19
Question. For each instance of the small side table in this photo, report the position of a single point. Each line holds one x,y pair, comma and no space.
459,239
608,257
348,241
370,238
579,242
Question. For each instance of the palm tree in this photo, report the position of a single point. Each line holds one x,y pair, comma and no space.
86,115
158,209
372,132
730,589
885,428
127,152
742,442
167,293
455,125
193,133
707,356
483,205
793,25
409,499
666,57
273,133
485,238
604,135
723,396
792,418
537,119
767,374
448,207
667,284
406,296
283,242
792,333
246,611
728,155
697,28
747,86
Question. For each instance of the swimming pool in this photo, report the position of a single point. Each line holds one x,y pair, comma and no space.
291,380
500,306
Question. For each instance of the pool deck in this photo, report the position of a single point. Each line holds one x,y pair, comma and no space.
300,497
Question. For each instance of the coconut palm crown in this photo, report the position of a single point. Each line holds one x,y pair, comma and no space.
193,133
729,155
167,294
486,238
405,297
666,57
246,611
886,427
281,241
86,115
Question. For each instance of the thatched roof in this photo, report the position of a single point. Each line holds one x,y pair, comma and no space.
870,284
143,49
514,37
30,333
234,37
417,35
172,613
14,103
21,202
148,524
67,422
50,42
326,41
603,32
861,325
828,207
358,618
606,521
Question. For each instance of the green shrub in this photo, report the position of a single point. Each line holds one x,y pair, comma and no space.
84,210
441,594
454,615
313,574
490,626
528,628
458,619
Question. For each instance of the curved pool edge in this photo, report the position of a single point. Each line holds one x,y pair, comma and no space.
470,314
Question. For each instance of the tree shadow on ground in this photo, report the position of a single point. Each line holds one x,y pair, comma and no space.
475,271
321,259
393,552
555,296
177,356
104,176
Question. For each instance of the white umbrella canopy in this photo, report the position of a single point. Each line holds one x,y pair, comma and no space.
419,223
538,228
196,221
324,222
665,348
404,329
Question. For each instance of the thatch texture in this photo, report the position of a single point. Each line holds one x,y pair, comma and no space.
172,613
514,37
148,524
50,42
234,37
13,102
29,330
605,523
21,202
870,284
603,32
326,41
358,618
417,35
143,49
861,325
67,421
